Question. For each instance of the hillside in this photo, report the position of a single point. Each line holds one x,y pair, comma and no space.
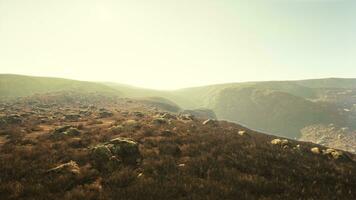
278,107
89,146
19,85
272,111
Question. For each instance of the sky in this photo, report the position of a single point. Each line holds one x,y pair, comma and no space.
171,44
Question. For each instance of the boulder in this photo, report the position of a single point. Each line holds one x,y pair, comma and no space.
65,131
115,152
126,149
315,150
333,153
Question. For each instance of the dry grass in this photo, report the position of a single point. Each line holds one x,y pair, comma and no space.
194,162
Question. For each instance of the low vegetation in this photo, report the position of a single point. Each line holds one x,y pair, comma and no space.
139,152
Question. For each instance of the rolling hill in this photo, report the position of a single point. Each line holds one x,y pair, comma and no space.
19,85
278,107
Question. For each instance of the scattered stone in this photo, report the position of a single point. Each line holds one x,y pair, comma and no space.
168,116
242,132
85,112
65,131
72,117
71,167
159,121
186,117
210,122
138,114
201,113
297,147
281,142
333,153
315,150
105,114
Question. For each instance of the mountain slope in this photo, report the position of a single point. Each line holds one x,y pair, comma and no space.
18,85
273,111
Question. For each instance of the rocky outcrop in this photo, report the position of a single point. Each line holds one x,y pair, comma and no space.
65,131
111,155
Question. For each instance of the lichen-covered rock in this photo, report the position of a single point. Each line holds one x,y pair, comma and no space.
115,152
65,131
126,149
101,155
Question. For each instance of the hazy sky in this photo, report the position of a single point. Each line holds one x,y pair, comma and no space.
169,44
